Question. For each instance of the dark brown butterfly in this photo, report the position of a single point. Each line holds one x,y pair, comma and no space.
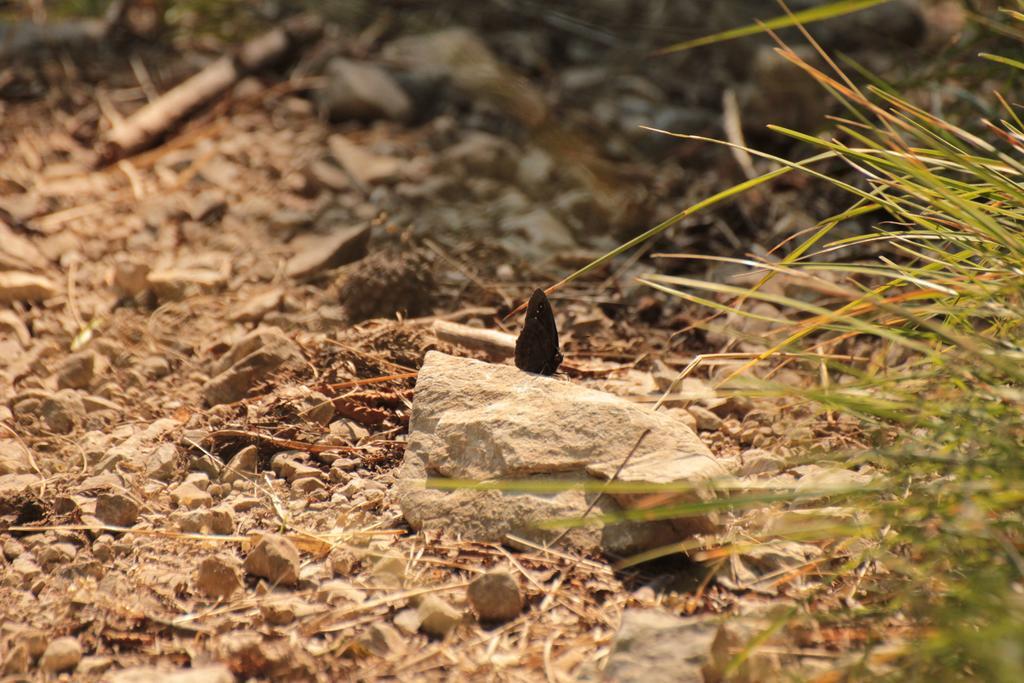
537,345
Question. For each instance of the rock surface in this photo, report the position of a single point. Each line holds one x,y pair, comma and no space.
477,421
657,647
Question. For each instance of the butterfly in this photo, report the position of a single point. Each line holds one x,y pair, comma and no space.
537,345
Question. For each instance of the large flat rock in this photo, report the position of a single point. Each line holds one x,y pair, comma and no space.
478,421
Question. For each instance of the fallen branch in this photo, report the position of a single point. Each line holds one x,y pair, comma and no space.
493,342
143,128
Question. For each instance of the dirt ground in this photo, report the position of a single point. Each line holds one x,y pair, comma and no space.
243,234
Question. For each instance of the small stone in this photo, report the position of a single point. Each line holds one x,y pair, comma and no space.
437,617
381,639
116,509
242,465
685,416
14,458
253,308
56,553
307,485
274,558
207,207
77,370
286,465
17,661
177,284
62,654
130,277
155,367
103,548
219,576
35,640
495,596
62,411
316,252
16,285
356,90
390,570
534,169
190,496
245,503
161,463
200,480
12,549
191,522
94,665
363,165
408,620
540,228
221,520
279,612
759,461
707,421
330,176
249,361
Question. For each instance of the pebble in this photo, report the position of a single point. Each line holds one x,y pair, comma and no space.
363,165
16,662
181,283
707,421
390,570
356,90
77,370
16,285
103,549
221,520
317,252
200,480
130,277
190,496
495,596
286,465
307,485
381,639
116,509
219,576
437,617
279,612
62,654
62,411
274,558
253,308
56,553
408,620
242,465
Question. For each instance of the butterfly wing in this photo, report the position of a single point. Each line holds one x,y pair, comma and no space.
537,345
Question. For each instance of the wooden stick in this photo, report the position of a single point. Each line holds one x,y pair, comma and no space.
143,128
490,341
